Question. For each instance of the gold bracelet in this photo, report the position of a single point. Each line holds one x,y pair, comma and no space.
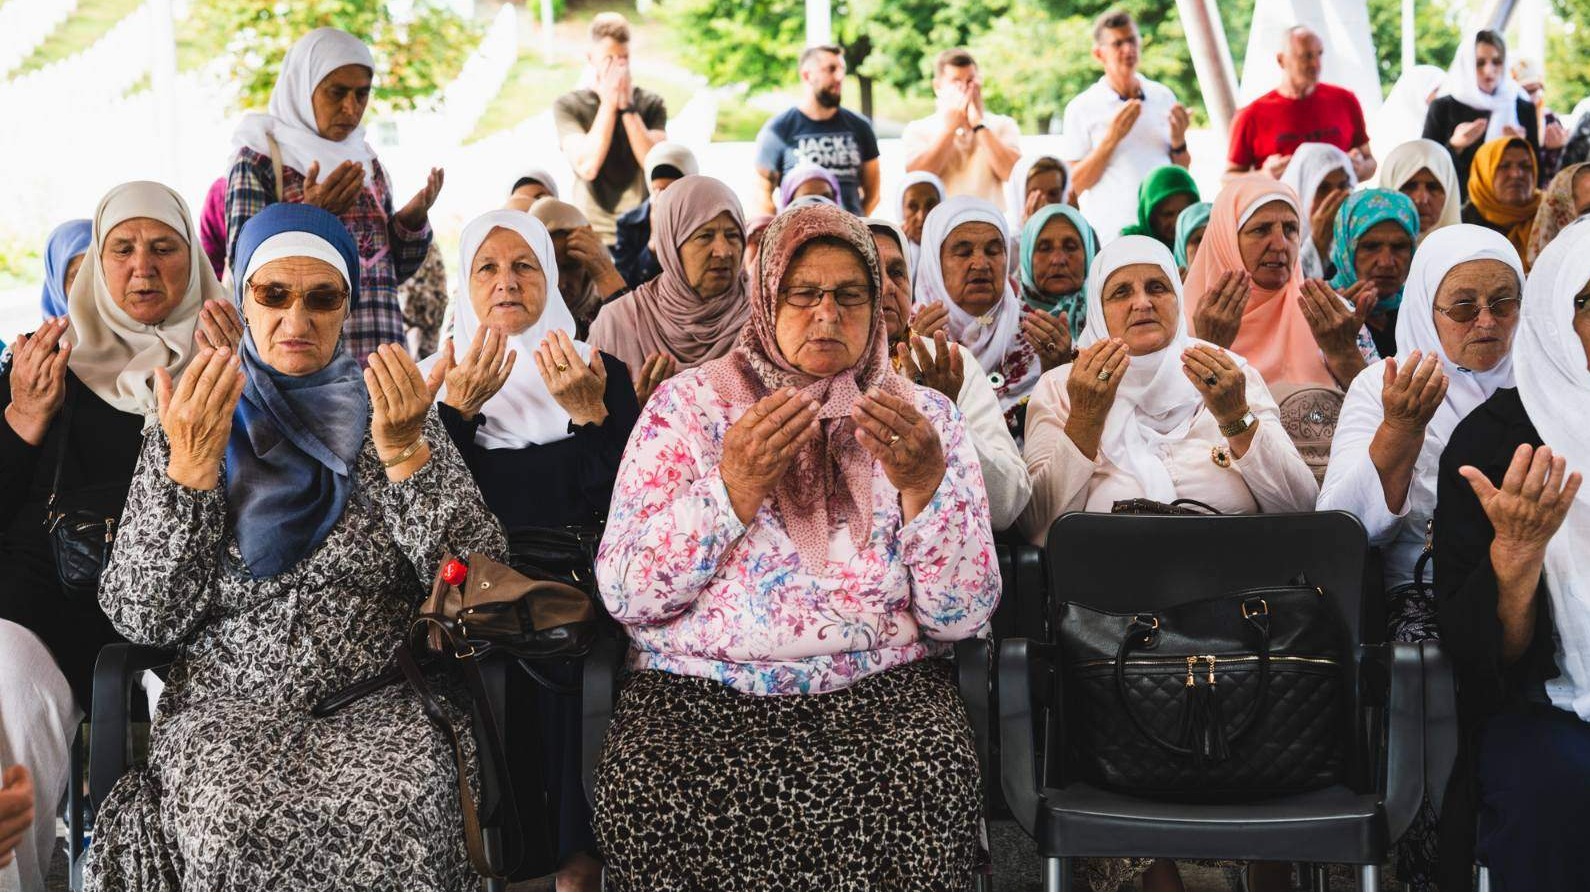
403,457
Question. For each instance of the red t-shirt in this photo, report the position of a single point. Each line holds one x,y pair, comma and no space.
1275,125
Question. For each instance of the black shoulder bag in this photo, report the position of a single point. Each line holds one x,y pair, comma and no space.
1218,699
80,539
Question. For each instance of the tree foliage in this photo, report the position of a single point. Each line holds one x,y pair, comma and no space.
415,57
1035,54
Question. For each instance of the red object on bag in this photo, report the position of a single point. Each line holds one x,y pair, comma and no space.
454,572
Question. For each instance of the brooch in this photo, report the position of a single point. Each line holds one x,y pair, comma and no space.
1221,456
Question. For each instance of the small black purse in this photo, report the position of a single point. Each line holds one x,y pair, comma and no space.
1227,698
80,539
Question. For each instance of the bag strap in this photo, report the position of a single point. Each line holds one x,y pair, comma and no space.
60,456
1141,632
1424,559
1187,501
276,164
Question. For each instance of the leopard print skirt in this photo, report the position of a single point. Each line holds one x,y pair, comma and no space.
701,787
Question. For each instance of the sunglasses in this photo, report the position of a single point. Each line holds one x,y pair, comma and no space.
1469,311
317,300
844,296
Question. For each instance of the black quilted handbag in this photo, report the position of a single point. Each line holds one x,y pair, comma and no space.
80,538
1229,698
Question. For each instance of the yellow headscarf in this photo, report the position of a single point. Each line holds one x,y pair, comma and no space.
1516,221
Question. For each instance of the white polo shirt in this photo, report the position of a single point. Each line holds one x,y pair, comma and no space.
1112,202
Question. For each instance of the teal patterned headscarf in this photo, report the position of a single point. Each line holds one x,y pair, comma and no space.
1073,302
1361,211
1192,217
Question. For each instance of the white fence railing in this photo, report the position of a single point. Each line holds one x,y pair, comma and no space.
24,24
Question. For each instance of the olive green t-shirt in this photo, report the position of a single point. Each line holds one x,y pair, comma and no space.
620,183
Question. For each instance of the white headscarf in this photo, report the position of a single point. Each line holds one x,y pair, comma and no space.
524,411
676,155
991,336
912,178
873,223
1463,85
1154,404
1413,156
291,116
1401,117
1016,187
1437,255
113,354
541,176
1554,385
1310,164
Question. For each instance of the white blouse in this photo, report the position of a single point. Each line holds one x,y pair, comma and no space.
1004,471
1270,477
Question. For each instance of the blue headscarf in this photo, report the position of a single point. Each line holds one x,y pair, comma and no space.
295,439
1073,304
67,241
1363,210
1191,218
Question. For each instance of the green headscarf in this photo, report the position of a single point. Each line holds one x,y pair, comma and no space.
1362,210
1191,218
1071,303
1160,184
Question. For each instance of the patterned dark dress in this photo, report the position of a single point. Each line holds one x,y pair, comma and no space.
244,789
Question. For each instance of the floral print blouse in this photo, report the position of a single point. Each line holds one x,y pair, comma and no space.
704,595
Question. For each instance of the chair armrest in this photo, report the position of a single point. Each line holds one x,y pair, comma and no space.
110,735
596,706
1405,738
1032,592
1440,722
973,675
1018,768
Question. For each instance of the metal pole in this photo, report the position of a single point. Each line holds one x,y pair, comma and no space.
1496,13
1409,57
163,84
1217,80
546,29
819,22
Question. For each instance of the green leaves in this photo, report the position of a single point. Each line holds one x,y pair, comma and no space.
415,58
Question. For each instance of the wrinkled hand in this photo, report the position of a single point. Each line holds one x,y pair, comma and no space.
1555,136
1179,119
1036,199
656,370
584,246
942,369
1412,394
1218,378
400,397
1275,165
1468,133
415,213
38,380
1092,396
759,447
580,389
220,326
1363,295
1514,131
902,440
1534,498
1335,327
475,378
930,318
16,811
1218,317
196,415
1322,221
1123,122
1049,335
339,190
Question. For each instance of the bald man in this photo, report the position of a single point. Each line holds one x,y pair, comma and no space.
1300,110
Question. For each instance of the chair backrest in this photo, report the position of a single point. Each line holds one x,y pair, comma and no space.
1144,562
1129,563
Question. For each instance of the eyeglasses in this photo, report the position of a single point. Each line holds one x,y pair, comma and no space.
844,296
317,300
1469,311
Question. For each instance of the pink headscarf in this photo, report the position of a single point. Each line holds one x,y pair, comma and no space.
665,315
757,368
1274,337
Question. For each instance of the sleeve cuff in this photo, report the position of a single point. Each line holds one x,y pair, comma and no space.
717,498
919,527
408,235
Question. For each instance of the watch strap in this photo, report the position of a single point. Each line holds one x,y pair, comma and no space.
1233,429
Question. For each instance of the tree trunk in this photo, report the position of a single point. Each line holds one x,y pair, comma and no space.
866,96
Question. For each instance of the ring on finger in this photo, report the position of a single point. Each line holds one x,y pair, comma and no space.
893,440
1211,380
1051,348
561,367
1104,375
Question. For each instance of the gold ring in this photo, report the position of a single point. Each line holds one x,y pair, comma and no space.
562,367
1104,375
893,440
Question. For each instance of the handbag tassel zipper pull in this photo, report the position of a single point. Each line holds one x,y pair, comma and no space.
1203,720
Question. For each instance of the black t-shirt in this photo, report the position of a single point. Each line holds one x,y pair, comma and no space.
842,144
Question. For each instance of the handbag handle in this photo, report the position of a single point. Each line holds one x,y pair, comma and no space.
60,456
1141,632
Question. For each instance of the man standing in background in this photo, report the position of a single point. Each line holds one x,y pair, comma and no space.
969,149
819,131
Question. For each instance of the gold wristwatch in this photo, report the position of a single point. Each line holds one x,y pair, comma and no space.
1234,429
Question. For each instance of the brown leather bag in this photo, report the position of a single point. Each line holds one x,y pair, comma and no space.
478,606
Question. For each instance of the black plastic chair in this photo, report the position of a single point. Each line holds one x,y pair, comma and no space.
115,712
1138,563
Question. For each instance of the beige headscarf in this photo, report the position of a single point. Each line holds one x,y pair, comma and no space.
113,354
559,216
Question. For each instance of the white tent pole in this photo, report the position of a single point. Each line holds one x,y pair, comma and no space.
819,22
1409,57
